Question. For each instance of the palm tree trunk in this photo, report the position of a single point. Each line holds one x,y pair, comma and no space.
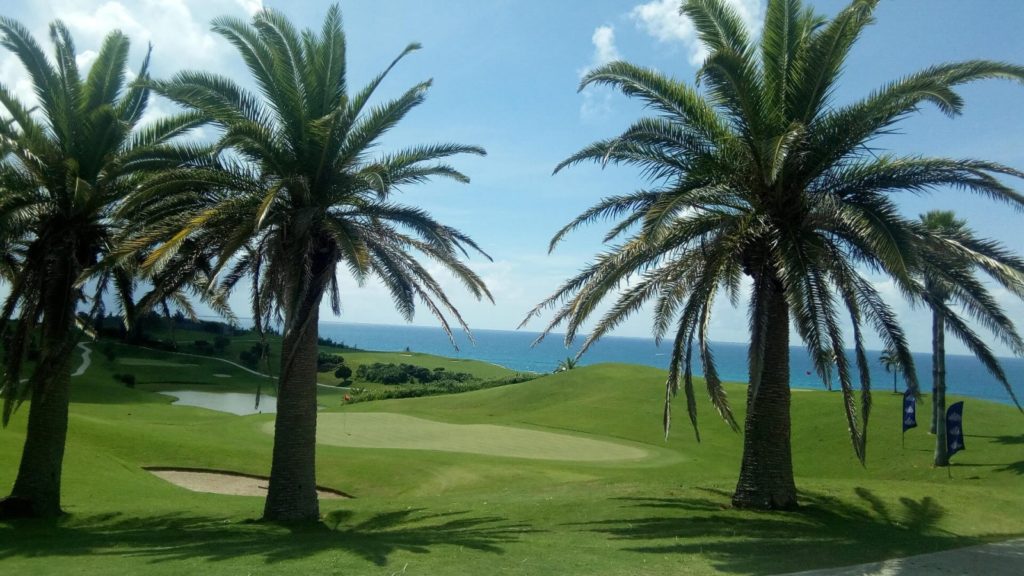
36,491
291,495
894,374
766,473
939,389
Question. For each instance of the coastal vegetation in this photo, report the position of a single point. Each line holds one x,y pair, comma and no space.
762,180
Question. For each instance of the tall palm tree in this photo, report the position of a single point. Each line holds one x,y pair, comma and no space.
69,162
763,175
891,363
297,179
951,255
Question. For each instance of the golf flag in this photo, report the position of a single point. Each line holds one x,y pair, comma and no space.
955,428
909,410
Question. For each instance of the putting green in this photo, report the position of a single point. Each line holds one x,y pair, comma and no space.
385,430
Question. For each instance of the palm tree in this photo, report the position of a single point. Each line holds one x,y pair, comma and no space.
891,363
565,365
298,181
763,175
952,253
69,162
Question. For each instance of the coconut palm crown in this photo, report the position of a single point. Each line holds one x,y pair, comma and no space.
951,256
294,192
68,162
759,173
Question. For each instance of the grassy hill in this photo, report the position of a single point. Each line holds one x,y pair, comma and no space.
424,505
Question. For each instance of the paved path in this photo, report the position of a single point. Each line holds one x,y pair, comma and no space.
86,359
999,559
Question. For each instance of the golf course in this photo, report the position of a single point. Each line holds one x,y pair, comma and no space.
566,473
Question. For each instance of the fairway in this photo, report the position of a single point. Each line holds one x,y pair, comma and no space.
387,430
152,362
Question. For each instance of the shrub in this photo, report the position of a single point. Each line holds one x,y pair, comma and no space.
126,379
343,372
221,342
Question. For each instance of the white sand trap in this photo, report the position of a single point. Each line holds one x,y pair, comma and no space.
222,375
150,362
383,430
230,483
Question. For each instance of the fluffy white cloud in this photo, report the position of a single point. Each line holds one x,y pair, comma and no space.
604,46
250,6
662,20
597,101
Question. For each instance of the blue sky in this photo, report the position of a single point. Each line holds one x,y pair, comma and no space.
505,76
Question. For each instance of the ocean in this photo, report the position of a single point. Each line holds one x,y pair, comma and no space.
513,349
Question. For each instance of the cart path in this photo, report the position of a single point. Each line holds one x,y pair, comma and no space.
998,559
86,359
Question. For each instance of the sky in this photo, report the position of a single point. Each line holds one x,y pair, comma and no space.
505,77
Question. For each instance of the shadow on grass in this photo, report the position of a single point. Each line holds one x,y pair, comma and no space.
184,537
825,531
1017,468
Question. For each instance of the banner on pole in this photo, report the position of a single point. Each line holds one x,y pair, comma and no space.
909,410
955,428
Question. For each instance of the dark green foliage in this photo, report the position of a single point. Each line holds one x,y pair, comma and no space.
403,373
330,342
328,362
438,387
252,357
343,372
127,379
220,343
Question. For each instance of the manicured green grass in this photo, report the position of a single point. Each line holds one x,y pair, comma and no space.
448,512
398,431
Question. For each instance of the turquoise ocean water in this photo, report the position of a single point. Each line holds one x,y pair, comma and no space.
513,349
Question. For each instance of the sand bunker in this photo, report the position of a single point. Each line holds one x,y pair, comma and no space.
230,483
384,430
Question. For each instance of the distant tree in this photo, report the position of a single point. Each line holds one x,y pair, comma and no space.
951,255
343,372
891,362
568,364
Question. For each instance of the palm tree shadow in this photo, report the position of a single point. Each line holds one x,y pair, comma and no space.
180,537
824,531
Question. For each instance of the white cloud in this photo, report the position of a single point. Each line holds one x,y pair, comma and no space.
85,59
604,46
597,101
662,20
250,6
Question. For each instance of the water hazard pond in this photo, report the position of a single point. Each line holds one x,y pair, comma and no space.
238,403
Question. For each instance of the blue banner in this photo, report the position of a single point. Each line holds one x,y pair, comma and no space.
909,410
955,428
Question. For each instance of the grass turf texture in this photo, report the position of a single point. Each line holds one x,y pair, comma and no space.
432,512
